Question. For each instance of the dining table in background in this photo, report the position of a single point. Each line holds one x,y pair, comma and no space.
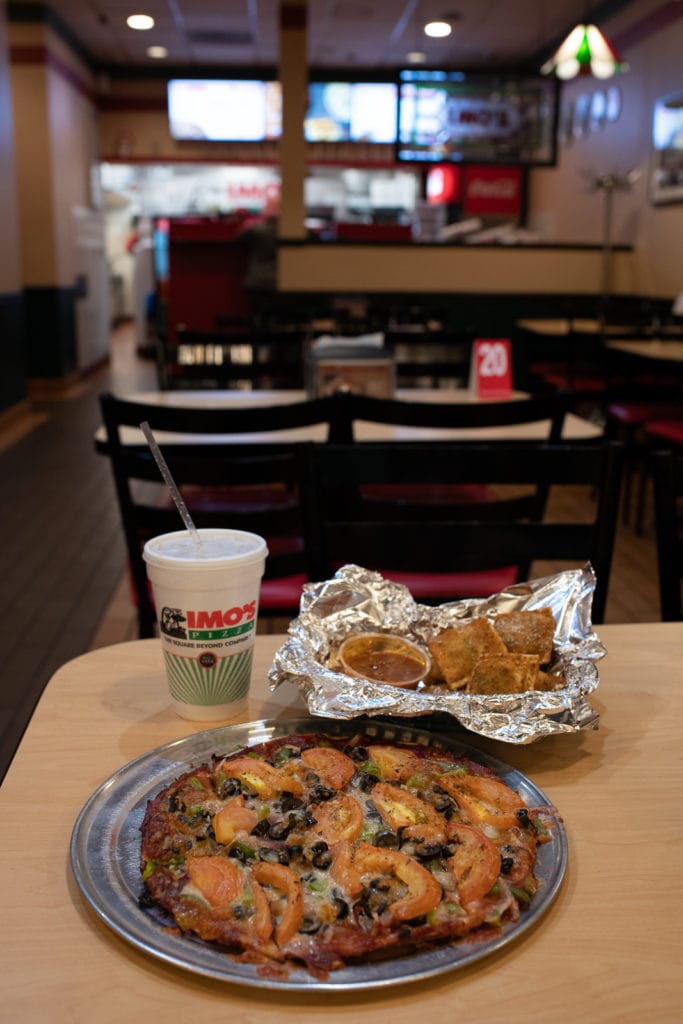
575,427
562,326
609,948
655,349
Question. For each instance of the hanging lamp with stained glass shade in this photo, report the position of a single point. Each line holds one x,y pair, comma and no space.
585,51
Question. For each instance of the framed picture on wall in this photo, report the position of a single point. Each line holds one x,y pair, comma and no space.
666,178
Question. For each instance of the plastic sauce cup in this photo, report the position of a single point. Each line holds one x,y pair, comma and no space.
385,658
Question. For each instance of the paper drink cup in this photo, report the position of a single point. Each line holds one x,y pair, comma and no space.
206,597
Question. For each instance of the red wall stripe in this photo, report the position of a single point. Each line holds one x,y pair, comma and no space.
293,16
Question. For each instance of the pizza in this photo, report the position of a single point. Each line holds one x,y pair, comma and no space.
319,851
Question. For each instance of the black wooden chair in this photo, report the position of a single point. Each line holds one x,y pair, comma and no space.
434,550
667,467
253,485
470,418
456,415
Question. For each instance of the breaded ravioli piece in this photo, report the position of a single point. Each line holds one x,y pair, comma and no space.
457,650
548,681
505,673
527,632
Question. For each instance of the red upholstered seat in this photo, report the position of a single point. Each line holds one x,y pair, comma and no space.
659,433
668,430
570,382
452,585
628,421
637,413
281,593
431,494
458,584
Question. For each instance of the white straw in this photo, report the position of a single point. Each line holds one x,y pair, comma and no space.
170,482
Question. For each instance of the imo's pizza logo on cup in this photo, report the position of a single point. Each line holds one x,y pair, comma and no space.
170,622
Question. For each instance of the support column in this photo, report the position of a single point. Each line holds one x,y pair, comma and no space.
55,155
294,79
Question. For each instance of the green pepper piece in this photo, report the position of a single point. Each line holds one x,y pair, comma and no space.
247,851
371,768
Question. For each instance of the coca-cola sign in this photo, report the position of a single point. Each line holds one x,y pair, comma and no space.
493,190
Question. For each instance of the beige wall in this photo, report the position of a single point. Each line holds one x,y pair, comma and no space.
56,148
74,144
562,204
10,250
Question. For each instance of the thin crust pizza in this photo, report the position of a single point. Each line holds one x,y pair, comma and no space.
323,851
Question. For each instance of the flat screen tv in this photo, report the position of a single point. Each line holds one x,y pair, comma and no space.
224,110
351,112
458,117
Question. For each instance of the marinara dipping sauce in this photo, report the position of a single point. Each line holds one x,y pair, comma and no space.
385,658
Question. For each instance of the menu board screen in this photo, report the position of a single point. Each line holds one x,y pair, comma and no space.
451,116
224,110
351,112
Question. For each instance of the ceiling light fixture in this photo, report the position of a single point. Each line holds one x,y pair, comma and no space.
416,57
437,29
141,22
585,51
157,52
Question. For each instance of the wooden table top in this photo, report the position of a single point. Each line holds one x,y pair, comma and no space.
562,325
608,949
574,428
669,351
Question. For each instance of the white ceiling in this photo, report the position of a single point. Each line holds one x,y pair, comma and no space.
341,33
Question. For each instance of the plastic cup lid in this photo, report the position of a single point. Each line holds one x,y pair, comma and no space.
219,548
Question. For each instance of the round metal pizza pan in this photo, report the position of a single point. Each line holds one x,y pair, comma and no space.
105,859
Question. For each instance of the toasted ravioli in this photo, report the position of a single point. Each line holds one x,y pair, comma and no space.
504,673
457,650
527,632
547,681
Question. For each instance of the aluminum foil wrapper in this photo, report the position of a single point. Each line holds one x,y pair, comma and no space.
356,600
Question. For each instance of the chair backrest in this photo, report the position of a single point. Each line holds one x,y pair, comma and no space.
348,527
456,415
254,485
468,417
668,489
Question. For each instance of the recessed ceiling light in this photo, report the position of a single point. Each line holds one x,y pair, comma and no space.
437,29
158,52
416,57
142,22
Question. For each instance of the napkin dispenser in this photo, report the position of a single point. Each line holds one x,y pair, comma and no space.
360,364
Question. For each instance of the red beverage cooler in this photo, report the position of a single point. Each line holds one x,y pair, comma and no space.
207,267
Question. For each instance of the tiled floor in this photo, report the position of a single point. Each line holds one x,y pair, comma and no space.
62,564
62,553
